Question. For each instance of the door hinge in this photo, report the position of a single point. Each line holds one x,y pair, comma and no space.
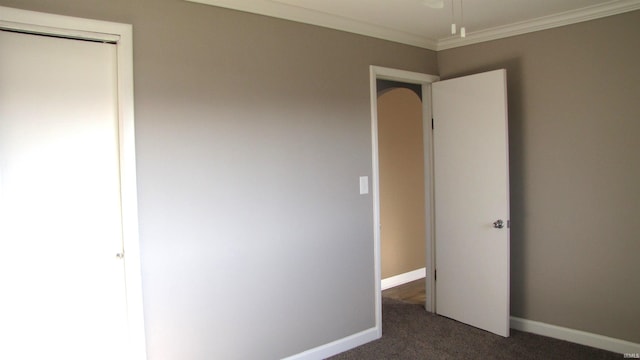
435,275
508,224
432,124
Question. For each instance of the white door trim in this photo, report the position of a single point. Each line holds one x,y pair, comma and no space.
121,35
377,72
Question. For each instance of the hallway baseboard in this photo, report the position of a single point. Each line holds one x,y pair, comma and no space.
403,278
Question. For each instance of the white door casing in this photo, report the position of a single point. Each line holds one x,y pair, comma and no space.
425,80
471,182
68,194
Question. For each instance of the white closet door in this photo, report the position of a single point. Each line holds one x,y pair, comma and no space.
63,294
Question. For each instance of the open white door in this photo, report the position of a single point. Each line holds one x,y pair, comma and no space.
471,182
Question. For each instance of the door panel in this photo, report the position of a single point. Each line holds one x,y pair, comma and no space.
471,182
60,216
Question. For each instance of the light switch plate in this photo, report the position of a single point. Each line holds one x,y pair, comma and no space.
364,185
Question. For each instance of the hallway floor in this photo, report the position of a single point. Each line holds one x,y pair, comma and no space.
412,292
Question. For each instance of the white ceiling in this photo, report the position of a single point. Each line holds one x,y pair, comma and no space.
415,23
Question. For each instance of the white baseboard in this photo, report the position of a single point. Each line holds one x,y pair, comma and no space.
575,336
338,346
403,278
535,327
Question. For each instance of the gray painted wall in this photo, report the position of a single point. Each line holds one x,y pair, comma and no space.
574,125
252,132
251,135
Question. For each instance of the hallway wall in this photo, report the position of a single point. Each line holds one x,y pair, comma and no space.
402,193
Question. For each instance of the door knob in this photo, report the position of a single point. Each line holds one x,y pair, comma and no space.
498,224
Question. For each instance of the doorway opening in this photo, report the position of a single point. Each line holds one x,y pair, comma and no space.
471,123
423,82
402,199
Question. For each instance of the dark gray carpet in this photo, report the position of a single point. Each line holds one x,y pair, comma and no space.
409,332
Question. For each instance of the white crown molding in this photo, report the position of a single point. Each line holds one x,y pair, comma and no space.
542,23
331,21
308,16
